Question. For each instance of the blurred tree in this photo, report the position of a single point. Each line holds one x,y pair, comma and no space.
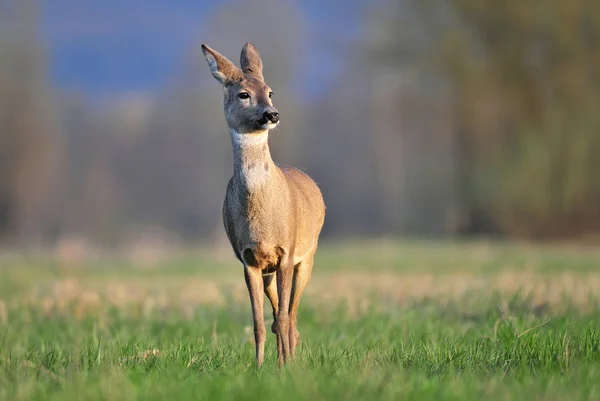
409,136
30,147
528,89
525,90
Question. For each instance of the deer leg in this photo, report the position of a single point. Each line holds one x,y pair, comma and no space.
254,282
285,274
270,284
302,274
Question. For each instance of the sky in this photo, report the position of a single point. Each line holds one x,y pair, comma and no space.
110,46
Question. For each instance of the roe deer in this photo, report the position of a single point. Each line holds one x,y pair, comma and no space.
272,214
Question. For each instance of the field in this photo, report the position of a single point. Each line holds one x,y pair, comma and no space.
383,320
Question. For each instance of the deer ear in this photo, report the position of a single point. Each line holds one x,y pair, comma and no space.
222,69
250,60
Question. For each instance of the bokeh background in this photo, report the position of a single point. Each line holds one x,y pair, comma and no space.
447,118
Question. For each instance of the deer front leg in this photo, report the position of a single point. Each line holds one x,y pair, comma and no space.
270,283
285,274
254,282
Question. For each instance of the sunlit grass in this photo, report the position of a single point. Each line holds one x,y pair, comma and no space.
422,321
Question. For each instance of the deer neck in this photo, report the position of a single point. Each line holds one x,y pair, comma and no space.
253,166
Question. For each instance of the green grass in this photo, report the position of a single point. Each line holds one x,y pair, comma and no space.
84,341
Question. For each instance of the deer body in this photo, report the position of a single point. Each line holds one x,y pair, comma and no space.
272,215
263,203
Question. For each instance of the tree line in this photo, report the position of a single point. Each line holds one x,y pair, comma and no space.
445,118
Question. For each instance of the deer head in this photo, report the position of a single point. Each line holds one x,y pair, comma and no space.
248,100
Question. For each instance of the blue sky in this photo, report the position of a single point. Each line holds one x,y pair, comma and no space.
110,46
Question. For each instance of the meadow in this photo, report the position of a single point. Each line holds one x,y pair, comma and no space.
383,320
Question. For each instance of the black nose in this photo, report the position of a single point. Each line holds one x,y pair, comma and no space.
272,116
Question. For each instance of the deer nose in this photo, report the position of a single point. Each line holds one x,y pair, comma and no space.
272,116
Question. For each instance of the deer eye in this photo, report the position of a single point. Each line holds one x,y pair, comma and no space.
244,95
270,95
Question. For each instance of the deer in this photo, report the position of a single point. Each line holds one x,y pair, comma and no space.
273,214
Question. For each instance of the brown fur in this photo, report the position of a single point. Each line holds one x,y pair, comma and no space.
272,215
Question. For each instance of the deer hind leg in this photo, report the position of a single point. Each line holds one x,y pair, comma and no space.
270,284
302,274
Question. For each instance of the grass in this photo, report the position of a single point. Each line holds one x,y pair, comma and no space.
388,320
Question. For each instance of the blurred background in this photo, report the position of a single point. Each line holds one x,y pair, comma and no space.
447,118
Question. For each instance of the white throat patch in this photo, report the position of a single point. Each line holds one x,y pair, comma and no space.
249,139
254,158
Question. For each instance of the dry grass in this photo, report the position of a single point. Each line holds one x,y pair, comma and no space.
359,291
379,275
